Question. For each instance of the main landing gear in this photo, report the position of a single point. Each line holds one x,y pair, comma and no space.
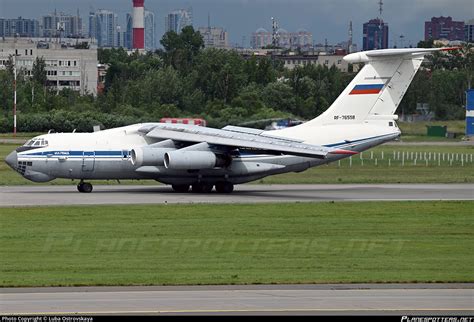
224,187
221,187
180,187
85,187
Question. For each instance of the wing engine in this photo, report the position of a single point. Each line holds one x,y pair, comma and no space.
190,160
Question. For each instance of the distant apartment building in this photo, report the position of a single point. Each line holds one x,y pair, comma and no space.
291,40
178,19
62,25
292,60
120,37
375,35
150,31
66,67
444,28
261,38
92,25
103,27
300,39
469,31
334,49
19,27
214,37
128,31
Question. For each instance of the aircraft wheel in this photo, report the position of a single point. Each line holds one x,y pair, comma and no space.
180,187
224,187
85,187
207,188
202,188
197,188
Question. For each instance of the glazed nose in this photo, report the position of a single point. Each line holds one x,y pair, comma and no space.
12,160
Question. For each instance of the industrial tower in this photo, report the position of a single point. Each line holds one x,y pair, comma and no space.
138,24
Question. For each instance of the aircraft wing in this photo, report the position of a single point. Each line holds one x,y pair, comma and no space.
234,137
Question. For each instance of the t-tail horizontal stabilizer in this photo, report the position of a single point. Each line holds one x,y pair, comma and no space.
366,56
378,88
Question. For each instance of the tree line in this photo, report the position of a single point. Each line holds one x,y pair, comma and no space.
185,80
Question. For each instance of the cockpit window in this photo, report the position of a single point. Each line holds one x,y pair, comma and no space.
34,143
37,143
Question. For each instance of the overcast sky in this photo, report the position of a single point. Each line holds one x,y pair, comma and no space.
324,18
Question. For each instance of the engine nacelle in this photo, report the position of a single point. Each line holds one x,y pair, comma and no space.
194,160
149,156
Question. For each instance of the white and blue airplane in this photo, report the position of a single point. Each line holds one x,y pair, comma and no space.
185,156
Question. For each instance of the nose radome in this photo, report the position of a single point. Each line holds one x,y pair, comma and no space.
12,159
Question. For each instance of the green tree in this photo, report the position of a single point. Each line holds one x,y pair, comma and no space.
6,92
426,43
279,96
163,86
220,74
181,49
38,72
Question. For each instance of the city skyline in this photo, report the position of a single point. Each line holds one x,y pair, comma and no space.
325,19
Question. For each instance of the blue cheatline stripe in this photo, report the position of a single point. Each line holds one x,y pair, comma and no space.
365,87
109,153
355,141
79,153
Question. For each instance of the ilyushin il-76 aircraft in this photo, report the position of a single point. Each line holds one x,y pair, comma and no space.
185,156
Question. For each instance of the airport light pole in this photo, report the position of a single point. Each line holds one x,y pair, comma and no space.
14,94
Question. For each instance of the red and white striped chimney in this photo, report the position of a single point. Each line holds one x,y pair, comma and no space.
138,24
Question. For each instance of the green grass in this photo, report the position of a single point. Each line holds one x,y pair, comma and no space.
365,169
19,135
419,128
237,244
367,172
366,175
429,139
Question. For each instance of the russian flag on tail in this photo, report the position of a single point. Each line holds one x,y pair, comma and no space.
366,89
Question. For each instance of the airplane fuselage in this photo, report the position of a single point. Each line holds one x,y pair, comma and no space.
107,155
363,116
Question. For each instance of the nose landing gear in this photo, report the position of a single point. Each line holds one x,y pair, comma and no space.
84,187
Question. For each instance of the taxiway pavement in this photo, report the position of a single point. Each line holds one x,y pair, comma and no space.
159,194
396,299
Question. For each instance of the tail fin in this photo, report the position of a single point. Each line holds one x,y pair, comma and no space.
378,88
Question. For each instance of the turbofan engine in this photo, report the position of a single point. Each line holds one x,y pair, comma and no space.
149,156
194,160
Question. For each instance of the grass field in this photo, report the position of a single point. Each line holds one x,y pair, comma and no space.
362,171
419,128
237,244
433,165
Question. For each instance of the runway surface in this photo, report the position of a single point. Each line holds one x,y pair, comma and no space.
396,299
125,194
